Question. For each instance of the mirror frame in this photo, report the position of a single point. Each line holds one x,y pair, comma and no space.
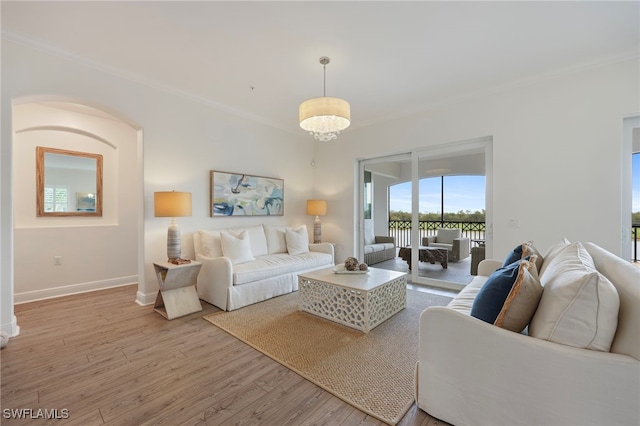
40,181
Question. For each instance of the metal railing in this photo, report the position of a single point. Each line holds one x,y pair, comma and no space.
401,230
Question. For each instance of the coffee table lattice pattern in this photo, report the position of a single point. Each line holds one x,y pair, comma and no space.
354,308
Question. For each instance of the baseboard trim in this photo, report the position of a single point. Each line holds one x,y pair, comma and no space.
50,293
146,299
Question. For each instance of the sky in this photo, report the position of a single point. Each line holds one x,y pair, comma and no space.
467,193
460,193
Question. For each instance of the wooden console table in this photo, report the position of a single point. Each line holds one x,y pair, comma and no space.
426,254
177,295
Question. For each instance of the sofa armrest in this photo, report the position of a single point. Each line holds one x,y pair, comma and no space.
381,239
427,240
487,266
472,372
323,248
214,280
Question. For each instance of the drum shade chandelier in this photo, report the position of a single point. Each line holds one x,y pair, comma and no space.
325,117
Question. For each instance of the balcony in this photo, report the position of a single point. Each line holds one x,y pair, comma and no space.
475,231
401,230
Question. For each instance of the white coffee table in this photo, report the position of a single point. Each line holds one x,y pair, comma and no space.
360,301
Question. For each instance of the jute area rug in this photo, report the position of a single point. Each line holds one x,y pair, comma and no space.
373,372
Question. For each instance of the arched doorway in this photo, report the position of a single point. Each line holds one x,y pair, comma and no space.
56,256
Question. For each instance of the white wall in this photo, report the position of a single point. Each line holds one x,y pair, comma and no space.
557,154
184,139
89,246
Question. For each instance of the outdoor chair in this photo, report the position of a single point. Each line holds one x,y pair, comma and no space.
452,240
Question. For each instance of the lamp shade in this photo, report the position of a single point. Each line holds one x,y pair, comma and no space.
316,207
172,204
325,116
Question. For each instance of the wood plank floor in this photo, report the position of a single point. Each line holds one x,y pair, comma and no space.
99,358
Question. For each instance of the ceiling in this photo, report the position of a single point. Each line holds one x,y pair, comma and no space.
388,58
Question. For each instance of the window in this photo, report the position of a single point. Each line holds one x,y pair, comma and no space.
56,198
635,185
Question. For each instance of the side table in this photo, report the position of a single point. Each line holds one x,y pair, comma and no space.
477,255
177,295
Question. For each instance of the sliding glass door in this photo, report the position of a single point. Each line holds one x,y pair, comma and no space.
410,196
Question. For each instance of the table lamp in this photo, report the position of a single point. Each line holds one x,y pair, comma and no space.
172,204
317,208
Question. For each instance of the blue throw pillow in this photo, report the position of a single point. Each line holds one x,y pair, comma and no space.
513,256
521,251
510,296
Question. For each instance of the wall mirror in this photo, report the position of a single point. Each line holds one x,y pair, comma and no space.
68,183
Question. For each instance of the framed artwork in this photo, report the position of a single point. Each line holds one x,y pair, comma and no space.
236,194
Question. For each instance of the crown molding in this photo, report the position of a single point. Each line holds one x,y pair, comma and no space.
134,77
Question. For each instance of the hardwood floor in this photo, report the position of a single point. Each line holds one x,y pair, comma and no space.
99,358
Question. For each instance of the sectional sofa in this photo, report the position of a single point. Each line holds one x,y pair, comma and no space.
518,347
242,266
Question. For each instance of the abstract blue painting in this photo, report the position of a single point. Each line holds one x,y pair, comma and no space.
236,194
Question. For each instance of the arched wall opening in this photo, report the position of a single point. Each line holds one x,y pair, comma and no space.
57,256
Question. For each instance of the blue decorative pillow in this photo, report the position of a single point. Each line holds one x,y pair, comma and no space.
510,296
521,251
513,256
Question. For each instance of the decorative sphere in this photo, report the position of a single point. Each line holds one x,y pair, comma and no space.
351,264
364,267
4,339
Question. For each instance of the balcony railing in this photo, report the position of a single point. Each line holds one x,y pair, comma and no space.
401,230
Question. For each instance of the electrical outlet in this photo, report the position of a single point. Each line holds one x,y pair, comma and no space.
57,260
514,223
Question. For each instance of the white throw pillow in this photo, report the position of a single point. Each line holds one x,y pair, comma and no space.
551,254
369,235
276,241
297,240
579,306
236,247
210,243
258,240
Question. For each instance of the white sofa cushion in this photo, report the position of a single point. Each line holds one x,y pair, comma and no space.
210,243
297,240
237,247
274,265
257,239
579,305
369,235
276,241
442,245
374,248
551,253
447,236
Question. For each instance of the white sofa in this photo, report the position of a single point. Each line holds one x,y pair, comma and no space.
472,372
243,266
377,248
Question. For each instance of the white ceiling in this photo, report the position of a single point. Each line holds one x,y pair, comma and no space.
388,58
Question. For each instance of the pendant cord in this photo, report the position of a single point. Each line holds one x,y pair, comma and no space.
324,85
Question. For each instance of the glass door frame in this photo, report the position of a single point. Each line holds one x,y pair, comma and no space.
484,144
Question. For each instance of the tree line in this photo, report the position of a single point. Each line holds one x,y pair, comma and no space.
465,216
460,216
